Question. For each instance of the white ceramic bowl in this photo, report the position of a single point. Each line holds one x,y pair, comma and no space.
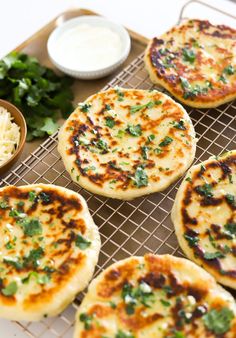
95,21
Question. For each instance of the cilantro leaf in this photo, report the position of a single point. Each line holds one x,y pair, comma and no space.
205,190
231,228
82,242
213,255
218,321
10,289
32,227
87,320
229,70
3,205
150,104
33,257
110,122
192,240
189,55
37,91
230,199
167,140
140,177
49,127
122,334
134,130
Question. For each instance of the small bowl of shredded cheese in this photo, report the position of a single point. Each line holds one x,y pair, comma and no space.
12,134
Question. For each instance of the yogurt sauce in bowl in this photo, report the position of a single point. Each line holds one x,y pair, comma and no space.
88,47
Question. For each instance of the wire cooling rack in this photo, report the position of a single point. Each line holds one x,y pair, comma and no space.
126,228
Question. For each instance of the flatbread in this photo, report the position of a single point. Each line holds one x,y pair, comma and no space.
49,247
125,143
204,215
195,62
155,297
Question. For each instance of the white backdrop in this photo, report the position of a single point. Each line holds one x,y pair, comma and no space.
19,19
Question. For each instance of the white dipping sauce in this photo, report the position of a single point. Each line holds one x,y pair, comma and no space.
88,47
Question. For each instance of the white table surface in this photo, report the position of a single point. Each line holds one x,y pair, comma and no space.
21,18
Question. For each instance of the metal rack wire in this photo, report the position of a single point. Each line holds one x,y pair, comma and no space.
126,228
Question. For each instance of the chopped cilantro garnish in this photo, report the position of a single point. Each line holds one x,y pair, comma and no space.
189,55
213,255
44,197
178,334
131,296
192,241
167,289
188,179
145,151
10,289
150,138
101,144
231,228
165,302
223,79
218,320
87,320
184,83
140,177
33,257
158,151
40,279
230,199
92,167
32,196
9,245
110,122
167,140
134,130
205,190
84,107
229,70
120,94
121,133
16,214
3,205
113,305
20,204
122,334
150,104
107,107
31,227
14,262
180,125
82,242
191,92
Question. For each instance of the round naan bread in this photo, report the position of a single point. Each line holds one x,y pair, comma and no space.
125,143
195,62
49,247
156,297
204,215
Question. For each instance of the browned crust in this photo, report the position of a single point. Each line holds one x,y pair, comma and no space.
158,272
169,77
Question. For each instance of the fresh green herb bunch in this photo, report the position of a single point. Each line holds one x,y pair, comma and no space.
37,91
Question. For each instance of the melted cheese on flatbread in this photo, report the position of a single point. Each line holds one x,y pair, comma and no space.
196,62
204,215
125,143
49,247
155,297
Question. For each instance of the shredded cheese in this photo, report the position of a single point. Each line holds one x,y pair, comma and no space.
9,136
